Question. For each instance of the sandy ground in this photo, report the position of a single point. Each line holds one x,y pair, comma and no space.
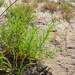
64,62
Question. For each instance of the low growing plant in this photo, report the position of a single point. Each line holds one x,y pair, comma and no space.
22,44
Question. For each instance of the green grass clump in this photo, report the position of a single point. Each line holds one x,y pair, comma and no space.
22,44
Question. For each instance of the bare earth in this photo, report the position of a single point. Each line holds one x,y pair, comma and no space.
64,62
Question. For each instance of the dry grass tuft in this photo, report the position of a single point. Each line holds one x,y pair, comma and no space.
53,6
69,14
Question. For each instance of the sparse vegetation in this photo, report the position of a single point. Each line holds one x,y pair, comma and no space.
23,41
